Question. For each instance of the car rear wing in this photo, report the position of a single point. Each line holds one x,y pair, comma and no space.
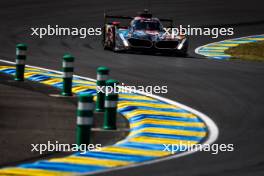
116,17
170,21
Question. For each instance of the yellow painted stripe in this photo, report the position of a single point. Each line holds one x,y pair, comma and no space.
155,112
51,74
167,122
133,151
155,140
84,82
123,104
81,88
224,44
31,172
28,74
5,67
169,131
52,81
259,39
37,71
227,41
137,97
33,69
216,47
91,161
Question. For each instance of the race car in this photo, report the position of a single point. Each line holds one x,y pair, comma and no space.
144,33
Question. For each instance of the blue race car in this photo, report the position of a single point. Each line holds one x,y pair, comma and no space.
144,33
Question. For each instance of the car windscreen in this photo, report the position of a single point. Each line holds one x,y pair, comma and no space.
147,25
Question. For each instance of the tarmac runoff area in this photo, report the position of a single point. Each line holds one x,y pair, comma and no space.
29,115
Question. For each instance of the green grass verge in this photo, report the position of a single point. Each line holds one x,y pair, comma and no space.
248,51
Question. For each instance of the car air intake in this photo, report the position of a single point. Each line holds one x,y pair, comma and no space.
166,44
140,43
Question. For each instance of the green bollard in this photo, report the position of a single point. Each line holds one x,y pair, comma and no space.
111,99
84,119
67,68
20,61
102,76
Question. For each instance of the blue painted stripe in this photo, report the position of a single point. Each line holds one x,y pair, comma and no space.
139,145
9,71
219,57
128,93
130,108
144,101
139,118
64,167
38,77
168,136
116,156
58,85
214,52
154,147
206,50
43,74
169,127
88,91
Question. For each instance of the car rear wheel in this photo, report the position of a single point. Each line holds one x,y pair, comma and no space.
109,37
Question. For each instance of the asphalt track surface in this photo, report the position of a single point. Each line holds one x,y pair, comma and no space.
34,114
26,113
231,93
